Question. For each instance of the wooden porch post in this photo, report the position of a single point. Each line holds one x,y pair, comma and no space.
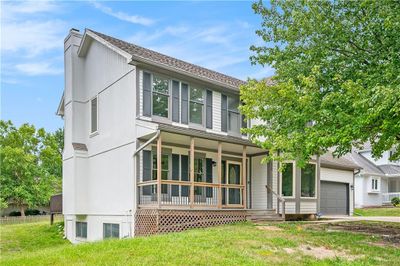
219,173
159,143
192,172
244,175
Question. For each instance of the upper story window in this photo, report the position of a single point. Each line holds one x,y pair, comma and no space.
93,115
288,180
160,93
308,181
196,105
234,119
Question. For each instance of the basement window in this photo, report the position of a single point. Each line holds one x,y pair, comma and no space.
81,229
110,230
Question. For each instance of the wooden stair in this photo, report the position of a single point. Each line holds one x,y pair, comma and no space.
263,216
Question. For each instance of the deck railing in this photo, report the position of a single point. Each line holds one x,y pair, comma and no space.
387,197
279,201
179,194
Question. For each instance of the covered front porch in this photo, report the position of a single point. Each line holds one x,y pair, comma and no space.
393,189
182,171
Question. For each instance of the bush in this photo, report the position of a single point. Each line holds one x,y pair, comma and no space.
396,201
32,212
15,213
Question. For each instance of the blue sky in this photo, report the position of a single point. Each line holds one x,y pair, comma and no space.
216,35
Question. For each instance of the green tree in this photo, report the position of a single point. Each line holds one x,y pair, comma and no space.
30,164
337,79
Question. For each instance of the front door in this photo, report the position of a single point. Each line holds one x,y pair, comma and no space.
233,177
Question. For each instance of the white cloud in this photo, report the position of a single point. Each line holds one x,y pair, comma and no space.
11,9
32,37
38,68
123,16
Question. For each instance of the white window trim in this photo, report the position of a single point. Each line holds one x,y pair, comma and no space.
96,132
293,183
316,185
378,181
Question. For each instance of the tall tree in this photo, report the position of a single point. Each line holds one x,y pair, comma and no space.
337,81
30,164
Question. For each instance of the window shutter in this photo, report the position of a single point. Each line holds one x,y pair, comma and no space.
209,109
224,113
175,167
175,175
175,101
184,174
209,177
184,108
147,165
146,94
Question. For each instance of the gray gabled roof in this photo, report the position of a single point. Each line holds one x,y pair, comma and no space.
366,165
327,160
149,56
390,169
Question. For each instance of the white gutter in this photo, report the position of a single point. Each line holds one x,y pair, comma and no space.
147,142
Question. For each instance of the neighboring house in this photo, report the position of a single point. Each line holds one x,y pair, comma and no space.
153,144
379,179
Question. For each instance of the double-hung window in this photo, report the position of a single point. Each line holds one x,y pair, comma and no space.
288,180
81,229
164,170
234,119
160,94
196,105
308,181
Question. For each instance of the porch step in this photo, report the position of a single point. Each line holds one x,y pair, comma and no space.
263,215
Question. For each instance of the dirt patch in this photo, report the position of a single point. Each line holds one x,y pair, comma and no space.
389,234
269,228
321,252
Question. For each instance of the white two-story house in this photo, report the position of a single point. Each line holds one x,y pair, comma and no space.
153,144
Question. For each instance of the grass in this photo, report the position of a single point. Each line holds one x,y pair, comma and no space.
239,244
395,211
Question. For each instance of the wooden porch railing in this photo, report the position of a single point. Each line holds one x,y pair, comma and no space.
279,199
178,193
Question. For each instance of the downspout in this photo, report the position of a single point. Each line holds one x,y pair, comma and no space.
135,170
354,190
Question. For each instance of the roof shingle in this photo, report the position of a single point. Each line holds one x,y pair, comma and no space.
154,57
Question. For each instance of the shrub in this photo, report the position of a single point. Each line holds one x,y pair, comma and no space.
32,212
15,213
396,201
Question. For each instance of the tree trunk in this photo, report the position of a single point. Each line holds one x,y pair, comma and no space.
22,210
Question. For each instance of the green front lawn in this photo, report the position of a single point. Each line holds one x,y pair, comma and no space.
239,244
395,211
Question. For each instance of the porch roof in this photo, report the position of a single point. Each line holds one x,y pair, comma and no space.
180,136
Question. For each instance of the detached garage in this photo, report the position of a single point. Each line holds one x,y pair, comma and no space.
337,186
